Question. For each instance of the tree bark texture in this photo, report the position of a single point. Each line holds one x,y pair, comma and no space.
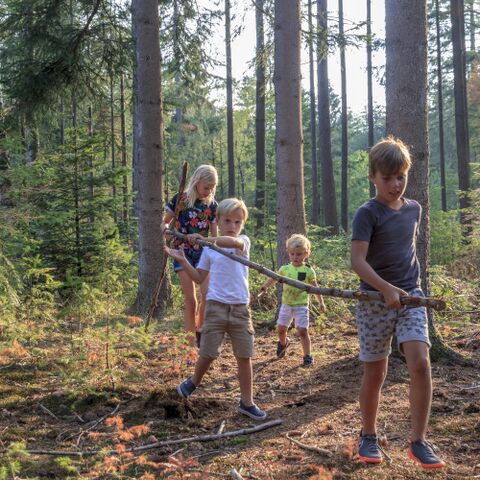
230,149
343,72
460,93
329,204
290,211
443,183
313,121
148,149
260,116
124,152
371,125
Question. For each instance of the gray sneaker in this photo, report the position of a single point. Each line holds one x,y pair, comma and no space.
369,450
282,349
307,361
186,388
253,411
425,454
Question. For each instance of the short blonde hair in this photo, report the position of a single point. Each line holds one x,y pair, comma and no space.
299,241
205,173
389,156
229,205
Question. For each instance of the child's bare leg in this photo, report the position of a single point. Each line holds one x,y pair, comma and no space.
305,339
418,363
201,367
245,378
374,374
188,288
202,304
282,334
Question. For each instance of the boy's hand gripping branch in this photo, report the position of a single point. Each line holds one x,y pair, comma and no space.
411,301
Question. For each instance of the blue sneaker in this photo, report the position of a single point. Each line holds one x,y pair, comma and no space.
369,450
307,361
425,454
186,388
252,411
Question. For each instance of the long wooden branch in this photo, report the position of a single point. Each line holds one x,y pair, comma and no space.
164,443
410,300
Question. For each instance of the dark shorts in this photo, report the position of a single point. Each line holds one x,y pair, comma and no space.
192,260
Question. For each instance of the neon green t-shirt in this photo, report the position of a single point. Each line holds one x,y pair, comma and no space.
293,297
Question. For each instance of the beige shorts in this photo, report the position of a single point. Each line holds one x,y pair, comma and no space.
222,318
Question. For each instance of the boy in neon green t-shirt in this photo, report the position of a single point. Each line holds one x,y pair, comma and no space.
295,301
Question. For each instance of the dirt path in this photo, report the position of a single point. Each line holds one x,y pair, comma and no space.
319,405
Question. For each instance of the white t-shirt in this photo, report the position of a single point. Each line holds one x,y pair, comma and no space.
228,278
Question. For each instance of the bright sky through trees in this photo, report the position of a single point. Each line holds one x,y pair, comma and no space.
355,11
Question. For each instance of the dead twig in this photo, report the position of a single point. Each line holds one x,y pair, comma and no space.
46,410
320,451
234,474
83,432
150,446
221,428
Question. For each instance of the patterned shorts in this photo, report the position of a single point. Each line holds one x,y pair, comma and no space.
376,325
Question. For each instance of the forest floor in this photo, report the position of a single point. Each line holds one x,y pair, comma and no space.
318,407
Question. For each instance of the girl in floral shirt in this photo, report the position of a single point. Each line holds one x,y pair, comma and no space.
197,214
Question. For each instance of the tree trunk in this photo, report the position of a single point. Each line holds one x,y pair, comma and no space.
313,121
178,118
76,189
30,134
344,202
148,151
443,183
406,112
124,152
461,112
371,126
260,117
231,158
325,139
112,147
90,165
288,113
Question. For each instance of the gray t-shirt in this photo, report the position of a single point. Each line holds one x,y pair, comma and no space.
391,236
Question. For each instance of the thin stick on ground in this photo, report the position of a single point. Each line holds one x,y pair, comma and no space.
410,300
164,443
321,451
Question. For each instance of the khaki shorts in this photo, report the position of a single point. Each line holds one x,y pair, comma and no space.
222,318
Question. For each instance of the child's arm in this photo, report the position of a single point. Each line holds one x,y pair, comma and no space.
360,266
225,242
213,229
198,276
321,303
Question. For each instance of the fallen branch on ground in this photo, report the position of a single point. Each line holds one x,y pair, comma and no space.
431,302
321,451
164,443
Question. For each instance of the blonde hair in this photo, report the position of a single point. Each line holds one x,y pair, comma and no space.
389,156
205,173
229,205
299,241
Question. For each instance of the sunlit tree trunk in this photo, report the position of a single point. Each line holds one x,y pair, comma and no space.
344,197
371,125
230,150
443,182
288,113
313,120
148,151
324,139
461,111
260,117
406,112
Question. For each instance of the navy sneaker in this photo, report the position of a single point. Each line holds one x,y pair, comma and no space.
186,388
307,361
282,349
252,411
369,450
425,454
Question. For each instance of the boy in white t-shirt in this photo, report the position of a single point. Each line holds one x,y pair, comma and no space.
227,308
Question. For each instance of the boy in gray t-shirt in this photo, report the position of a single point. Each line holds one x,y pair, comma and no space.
384,233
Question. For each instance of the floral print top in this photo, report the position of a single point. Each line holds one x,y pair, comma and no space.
192,220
